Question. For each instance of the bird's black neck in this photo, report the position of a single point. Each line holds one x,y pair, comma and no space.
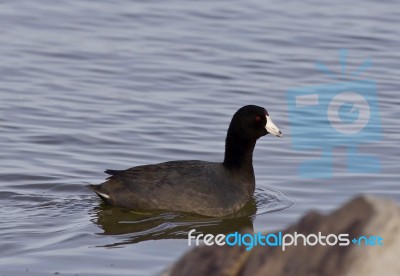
238,151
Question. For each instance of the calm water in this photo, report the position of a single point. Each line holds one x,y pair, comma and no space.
88,85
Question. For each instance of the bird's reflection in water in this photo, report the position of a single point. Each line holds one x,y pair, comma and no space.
133,227
137,227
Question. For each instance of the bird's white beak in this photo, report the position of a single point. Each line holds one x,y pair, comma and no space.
272,128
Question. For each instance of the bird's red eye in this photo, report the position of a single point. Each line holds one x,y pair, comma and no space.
258,118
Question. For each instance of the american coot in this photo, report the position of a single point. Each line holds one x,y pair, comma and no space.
205,188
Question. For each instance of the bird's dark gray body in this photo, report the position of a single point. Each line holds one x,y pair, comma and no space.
205,188
200,187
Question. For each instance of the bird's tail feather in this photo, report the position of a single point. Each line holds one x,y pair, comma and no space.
97,189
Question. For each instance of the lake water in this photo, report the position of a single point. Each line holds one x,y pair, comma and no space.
92,85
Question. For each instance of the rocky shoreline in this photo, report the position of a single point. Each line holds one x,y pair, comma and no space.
372,225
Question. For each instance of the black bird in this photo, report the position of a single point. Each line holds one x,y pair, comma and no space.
200,187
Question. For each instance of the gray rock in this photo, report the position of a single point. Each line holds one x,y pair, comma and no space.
362,216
